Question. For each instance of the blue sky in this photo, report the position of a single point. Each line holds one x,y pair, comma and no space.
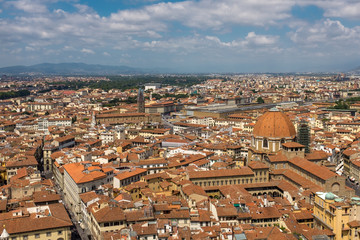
184,36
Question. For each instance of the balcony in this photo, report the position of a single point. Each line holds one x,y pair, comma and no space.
322,222
332,214
317,204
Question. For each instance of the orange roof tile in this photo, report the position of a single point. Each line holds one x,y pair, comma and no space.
77,173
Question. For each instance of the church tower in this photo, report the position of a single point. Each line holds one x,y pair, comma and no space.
141,101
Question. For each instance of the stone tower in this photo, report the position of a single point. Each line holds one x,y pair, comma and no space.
141,101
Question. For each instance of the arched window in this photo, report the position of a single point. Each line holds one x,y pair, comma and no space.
265,143
335,187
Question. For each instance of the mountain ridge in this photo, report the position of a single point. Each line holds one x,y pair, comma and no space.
72,69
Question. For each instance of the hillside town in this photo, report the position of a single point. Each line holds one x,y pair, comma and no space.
255,156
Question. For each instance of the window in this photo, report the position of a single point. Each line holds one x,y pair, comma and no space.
25,237
48,234
37,235
265,143
59,232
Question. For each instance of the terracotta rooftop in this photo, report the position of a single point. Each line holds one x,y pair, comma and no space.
274,124
257,165
29,223
221,173
79,175
316,170
125,175
293,145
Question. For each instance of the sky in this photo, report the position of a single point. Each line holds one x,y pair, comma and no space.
202,36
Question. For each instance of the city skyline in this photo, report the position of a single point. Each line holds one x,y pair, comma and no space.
184,36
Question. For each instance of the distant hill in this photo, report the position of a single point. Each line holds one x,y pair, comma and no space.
71,69
355,71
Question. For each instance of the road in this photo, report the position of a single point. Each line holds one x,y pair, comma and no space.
76,232
166,123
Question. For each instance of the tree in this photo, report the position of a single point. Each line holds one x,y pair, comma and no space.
340,104
260,100
73,119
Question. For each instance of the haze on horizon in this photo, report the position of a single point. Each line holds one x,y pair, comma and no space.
186,36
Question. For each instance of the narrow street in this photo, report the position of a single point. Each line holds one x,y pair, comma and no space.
76,232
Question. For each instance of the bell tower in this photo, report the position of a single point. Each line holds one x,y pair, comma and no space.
141,101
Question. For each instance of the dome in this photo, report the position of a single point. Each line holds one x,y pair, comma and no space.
274,124
329,196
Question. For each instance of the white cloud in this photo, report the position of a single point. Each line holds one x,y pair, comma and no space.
211,13
16,51
251,40
175,28
27,48
84,8
336,8
196,43
86,50
260,40
85,28
29,6
324,33
67,48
